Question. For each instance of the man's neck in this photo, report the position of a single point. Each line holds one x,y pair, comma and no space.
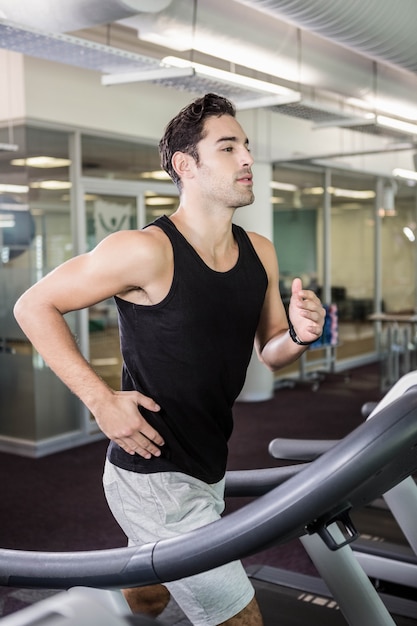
210,235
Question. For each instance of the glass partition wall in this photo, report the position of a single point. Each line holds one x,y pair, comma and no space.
367,263
36,235
41,200
352,260
398,248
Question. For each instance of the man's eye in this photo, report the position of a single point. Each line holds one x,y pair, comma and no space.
228,149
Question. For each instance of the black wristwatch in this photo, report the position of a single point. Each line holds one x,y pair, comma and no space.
296,339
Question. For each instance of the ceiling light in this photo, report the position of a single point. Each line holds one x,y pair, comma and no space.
282,186
163,73
7,220
156,175
8,147
386,108
51,185
268,101
160,200
314,191
13,188
401,173
409,233
228,77
358,194
390,122
41,161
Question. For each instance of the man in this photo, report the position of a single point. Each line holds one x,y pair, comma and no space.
193,293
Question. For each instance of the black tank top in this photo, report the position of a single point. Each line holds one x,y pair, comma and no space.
190,353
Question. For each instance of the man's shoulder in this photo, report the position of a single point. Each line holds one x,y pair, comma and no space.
144,259
260,242
265,250
150,240
139,254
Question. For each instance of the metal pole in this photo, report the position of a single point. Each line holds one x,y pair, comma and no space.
350,586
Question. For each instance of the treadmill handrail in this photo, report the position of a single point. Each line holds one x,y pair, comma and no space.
299,449
289,449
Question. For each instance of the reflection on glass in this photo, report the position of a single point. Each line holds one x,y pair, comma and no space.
399,251
352,232
105,157
106,214
159,204
298,234
35,237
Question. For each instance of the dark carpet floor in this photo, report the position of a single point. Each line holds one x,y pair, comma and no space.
56,503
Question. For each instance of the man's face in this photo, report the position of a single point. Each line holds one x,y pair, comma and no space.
223,173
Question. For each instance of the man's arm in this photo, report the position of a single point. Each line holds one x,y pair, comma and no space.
79,283
273,342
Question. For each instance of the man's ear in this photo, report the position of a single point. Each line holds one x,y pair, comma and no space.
183,164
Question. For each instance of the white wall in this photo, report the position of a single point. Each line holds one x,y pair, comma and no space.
12,96
63,94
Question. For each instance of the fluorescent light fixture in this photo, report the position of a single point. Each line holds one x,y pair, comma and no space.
228,77
357,194
390,122
268,101
51,185
314,191
13,206
41,161
7,221
8,147
282,186
160,200
408,174
163,73
409,233
13,188
156,175
384,107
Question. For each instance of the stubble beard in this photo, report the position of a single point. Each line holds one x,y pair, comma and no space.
250,198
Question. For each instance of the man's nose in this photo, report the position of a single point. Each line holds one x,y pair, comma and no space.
247,158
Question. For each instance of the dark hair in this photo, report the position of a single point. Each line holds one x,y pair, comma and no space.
186,129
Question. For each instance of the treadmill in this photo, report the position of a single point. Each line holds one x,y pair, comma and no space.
387,546
310,501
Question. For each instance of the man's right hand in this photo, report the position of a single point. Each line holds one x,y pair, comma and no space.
119,417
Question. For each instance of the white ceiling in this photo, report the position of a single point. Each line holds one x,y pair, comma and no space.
328,51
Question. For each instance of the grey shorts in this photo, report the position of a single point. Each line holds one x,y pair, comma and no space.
149,507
